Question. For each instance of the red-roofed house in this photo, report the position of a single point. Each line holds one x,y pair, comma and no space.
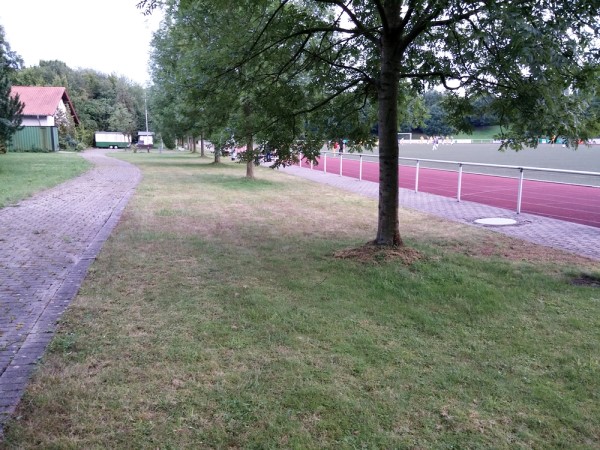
42,106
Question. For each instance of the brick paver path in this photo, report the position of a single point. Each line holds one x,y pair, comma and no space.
47,243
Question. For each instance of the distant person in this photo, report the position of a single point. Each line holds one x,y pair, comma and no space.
268,153
436,142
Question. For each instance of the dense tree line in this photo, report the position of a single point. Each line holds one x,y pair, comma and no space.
315,68
10,108
102,102
290,75
435,118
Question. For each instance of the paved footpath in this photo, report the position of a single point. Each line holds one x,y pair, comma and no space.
571,237
47,243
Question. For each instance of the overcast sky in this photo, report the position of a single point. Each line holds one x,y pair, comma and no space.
110,36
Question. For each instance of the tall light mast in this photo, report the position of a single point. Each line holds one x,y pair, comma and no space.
146,110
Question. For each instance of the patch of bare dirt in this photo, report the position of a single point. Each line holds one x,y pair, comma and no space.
586,280
375,254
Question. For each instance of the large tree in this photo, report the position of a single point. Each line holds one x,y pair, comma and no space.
536,60
10,106
238,105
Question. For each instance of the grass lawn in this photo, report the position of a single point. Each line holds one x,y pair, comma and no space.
23,174
217,316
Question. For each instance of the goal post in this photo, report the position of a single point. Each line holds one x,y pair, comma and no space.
404,137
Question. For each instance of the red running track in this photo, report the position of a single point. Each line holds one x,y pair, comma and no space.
573,203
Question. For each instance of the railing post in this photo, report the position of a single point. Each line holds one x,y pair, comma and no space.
341,159
417,176
460,171
325,162
360,168
520,193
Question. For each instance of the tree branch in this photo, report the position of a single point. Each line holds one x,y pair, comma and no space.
269,21
364,31
382,15
331,97
365,76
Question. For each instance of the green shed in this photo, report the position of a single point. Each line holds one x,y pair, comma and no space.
43,104
44,139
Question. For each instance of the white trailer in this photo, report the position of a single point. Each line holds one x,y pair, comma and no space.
111,139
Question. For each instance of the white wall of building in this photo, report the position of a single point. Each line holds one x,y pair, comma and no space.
43,121
39,121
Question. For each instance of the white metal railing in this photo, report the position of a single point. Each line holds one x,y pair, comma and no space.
460,164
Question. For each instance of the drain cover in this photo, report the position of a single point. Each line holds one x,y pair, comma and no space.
496,221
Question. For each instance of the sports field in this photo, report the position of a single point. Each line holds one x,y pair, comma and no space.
544,192
584,159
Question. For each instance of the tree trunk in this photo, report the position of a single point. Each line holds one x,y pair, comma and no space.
250,163
247,110
388,230
202,153
194,144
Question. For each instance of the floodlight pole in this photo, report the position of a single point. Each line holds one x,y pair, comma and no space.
146,110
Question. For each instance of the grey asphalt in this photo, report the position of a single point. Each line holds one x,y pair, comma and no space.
571,237
47,243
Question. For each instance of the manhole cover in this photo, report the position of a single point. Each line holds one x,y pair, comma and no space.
496,221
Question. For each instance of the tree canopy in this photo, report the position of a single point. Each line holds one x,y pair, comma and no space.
10,107
535,62
103,102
